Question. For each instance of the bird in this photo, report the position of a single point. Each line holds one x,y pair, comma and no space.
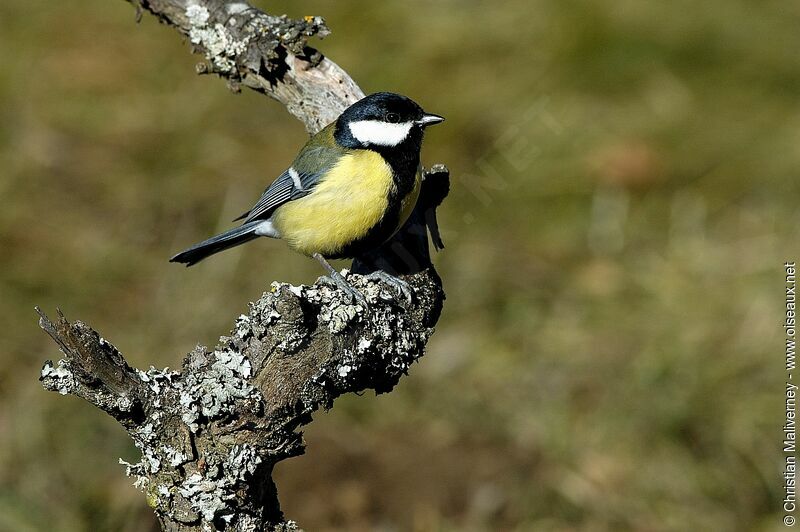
349,190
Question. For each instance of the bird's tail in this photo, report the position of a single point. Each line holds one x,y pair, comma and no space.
215,244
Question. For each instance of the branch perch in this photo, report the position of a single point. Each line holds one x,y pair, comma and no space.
211,433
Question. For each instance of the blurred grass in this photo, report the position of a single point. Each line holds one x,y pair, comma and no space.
625,193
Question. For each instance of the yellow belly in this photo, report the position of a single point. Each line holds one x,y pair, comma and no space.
349,201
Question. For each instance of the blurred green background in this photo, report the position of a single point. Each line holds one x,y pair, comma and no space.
625,192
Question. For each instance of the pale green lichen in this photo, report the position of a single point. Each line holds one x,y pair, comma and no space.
136,470
220,46
174,456
213,392
208,493
59,378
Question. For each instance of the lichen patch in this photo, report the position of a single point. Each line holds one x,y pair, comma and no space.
221,47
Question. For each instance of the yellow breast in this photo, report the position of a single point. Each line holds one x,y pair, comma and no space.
349,200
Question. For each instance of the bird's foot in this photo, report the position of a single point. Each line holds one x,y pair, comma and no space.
336,280
402,288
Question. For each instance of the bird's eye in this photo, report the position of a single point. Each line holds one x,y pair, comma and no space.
392,118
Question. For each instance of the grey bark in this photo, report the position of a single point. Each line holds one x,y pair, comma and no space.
267,53
211,433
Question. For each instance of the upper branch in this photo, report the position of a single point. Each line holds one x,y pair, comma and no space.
267,53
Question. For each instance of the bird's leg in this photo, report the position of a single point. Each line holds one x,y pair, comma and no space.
402,287
338,281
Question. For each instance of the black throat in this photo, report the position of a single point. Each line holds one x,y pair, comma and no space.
404,161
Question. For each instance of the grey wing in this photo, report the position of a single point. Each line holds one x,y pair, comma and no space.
290,185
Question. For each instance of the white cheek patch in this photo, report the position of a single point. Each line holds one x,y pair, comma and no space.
380,133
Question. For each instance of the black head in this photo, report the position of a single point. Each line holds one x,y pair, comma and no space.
383,120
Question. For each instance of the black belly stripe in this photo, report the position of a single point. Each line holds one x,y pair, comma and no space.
404,161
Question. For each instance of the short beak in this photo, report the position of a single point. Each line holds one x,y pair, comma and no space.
429,120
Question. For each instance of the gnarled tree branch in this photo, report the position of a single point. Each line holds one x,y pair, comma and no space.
211,433
267,53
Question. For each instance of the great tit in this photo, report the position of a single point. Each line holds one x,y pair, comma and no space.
349,190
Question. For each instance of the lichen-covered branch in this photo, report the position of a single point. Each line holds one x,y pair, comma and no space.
211,433
267,53
93,370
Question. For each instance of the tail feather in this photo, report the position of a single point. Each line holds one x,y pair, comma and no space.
215,244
